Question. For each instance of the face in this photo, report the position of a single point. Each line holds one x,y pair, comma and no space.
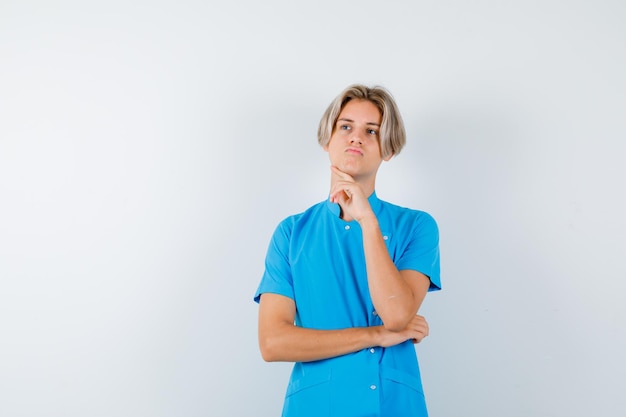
354,145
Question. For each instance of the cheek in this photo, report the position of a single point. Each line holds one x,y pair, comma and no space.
335,140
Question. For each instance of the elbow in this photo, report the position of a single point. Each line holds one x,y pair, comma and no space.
274,342
268,356
396,323
268,350
393,327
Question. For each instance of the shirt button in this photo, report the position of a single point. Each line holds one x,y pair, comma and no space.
374,313
372,387
347,227
385,237
372,350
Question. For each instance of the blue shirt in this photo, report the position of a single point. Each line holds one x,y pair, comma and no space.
317,259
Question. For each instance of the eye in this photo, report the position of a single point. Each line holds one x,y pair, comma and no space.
372,132
344,127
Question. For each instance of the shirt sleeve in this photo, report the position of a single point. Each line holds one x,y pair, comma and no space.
277,277
422,251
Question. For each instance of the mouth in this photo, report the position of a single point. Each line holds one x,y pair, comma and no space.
354,151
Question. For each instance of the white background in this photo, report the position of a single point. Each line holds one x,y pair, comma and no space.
149,148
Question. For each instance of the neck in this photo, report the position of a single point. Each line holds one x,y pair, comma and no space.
367,185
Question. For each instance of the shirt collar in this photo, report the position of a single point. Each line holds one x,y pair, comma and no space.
375,203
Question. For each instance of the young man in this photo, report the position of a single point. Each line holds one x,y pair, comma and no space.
344,280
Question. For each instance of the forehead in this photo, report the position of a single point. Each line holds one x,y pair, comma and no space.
361,111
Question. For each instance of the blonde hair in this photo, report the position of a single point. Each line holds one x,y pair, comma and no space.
392,133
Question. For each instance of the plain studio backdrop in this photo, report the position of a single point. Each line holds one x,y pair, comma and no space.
148,149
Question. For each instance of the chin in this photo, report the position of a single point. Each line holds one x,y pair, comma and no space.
349,169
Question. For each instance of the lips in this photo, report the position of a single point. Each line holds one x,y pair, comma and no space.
354,151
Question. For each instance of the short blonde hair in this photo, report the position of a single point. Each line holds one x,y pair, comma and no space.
392,133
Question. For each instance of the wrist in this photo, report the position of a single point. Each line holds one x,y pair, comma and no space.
377,335
368,220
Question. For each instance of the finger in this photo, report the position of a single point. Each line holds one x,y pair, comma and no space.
350,189
421,330
340,198
339,195
419,327
342,190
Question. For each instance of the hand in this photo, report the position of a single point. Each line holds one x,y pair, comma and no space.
416,330
346,192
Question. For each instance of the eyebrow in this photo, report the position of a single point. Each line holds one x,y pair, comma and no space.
352,121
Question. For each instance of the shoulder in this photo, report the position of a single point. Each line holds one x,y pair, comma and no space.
407,215
299,220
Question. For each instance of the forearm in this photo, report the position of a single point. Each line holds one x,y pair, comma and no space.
290,343
392,297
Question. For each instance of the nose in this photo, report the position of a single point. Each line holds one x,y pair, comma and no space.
356,138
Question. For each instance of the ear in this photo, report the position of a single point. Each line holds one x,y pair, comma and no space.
388,157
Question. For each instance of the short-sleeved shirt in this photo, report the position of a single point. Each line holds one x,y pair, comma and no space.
317,259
